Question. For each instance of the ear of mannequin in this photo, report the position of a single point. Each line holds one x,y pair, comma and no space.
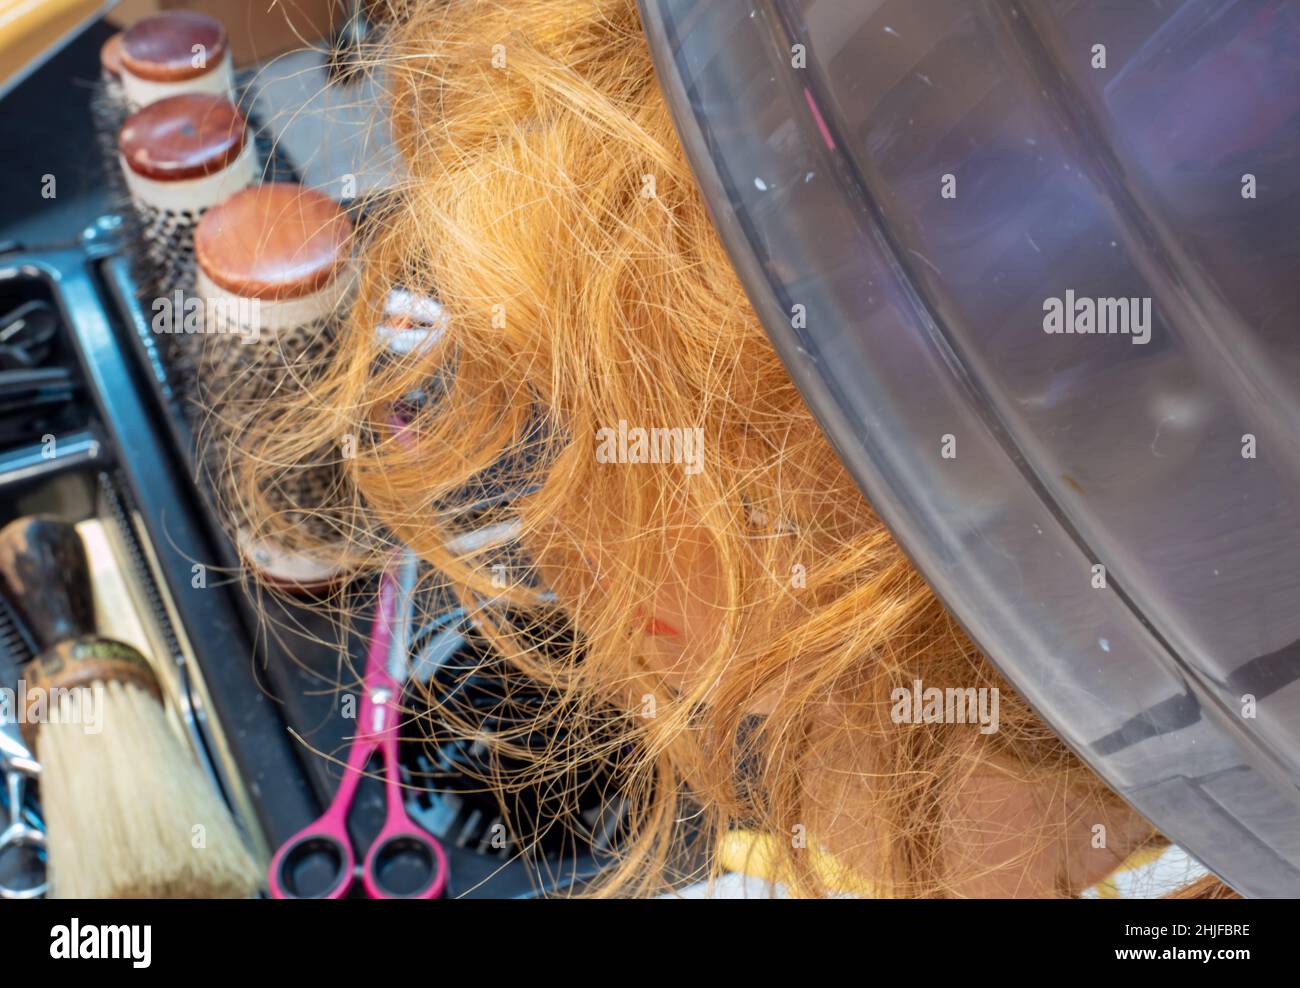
681,619
1005,833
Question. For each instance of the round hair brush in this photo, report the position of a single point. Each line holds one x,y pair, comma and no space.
109,107
128,811
181,156
178,157
277,259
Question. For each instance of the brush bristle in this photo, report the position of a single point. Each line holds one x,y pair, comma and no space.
128,812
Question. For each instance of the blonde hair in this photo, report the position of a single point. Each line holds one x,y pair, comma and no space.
551,211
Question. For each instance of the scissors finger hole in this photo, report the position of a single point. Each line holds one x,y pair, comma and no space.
22,862
313,868
404,866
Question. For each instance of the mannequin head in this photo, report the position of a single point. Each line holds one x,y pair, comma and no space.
745,621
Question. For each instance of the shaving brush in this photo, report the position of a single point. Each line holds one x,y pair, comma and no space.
129,813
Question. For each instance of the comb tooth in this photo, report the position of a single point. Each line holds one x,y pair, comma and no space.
15,648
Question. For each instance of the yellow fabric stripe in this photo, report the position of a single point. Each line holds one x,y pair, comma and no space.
752,854
1108,888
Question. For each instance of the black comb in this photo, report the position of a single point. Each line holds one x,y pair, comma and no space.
16,647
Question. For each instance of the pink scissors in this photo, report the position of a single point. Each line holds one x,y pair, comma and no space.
404,862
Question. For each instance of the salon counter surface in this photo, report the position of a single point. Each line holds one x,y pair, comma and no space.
51,173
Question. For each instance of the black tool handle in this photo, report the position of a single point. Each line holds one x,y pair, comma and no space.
44,570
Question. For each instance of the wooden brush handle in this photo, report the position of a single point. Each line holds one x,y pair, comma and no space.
43,567
110,57
83,662
273,242
161,48
182,137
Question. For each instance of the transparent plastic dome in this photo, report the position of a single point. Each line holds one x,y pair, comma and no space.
1036,269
